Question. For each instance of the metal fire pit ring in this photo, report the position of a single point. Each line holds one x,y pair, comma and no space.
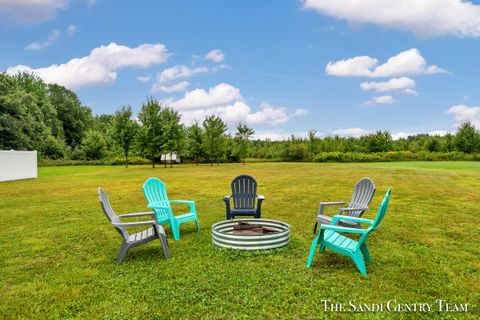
222,236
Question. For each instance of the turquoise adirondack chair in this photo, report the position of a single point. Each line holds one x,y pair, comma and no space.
155,192
330,237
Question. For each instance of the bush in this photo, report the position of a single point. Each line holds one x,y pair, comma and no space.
81,162
52,148
394,156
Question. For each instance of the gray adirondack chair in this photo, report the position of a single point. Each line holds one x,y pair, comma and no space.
361,197
244,192
155,231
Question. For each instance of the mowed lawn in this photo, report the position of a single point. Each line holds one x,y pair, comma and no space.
57,249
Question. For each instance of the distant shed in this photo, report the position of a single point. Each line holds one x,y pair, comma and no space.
170,158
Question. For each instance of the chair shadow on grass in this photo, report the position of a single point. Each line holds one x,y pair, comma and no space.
151,253
332,262
187,230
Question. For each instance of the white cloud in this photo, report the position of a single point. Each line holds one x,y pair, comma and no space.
381,100
99,66
273,115
360,66
404,85
216,55
230,113
71,29
226,101
54,35
280,136
219,95
409,91
145,78
31,11
179,72
300,112
351,132
219,67
359,132
422,17
177,87
440,133
269,114
408,62
463,113
403,135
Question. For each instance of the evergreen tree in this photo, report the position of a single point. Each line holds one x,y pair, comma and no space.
467,138
380,141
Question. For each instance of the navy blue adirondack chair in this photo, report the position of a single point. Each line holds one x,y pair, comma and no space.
244,193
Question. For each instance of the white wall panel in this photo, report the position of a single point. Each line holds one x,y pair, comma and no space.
15,165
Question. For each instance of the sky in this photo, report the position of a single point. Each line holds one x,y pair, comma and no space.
343,68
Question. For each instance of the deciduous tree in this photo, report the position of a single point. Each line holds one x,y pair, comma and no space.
214,141
124,130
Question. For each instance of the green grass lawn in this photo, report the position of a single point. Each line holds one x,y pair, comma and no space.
57,249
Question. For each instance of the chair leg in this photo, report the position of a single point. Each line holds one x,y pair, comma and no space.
122,252
360,263
160,231
315,228
175,226
322,248
312,251
166,249
365,252
176,232
197,224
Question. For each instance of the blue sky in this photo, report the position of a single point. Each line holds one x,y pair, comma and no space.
340,67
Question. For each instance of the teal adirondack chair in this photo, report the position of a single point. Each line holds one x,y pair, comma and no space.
155,192
330,237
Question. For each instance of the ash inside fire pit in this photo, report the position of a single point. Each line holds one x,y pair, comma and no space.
252,228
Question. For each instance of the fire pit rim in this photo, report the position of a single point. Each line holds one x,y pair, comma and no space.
249,241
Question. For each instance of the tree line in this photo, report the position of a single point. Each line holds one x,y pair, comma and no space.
51,119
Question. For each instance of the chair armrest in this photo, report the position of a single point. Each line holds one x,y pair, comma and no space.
189,202
261,197
325,204
137,214
135,224
333,203
226,199
348,218
342,229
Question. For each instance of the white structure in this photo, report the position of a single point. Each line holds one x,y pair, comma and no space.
170,158
15,165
